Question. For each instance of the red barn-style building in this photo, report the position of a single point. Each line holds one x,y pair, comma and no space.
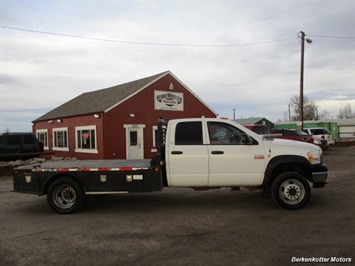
119,122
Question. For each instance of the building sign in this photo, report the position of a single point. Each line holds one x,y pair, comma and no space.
164,100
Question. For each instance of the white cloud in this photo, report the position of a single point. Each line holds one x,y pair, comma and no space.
40,71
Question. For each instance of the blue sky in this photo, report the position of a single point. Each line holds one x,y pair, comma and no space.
242,55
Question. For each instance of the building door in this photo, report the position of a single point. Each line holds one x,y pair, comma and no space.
134,141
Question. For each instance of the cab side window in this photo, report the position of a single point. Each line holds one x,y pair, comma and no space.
188,133
225,134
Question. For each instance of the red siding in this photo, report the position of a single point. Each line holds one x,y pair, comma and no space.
142,105
111,134
71,123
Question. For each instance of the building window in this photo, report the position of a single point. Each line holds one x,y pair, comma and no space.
42,136
60,139
86,139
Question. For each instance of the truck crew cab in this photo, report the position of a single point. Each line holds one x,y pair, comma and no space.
199,153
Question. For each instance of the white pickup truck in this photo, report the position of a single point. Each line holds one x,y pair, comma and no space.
199,153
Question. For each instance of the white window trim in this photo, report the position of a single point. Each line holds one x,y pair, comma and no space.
134,125
57,130
45,147
94,151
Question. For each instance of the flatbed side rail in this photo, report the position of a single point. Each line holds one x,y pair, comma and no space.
97,169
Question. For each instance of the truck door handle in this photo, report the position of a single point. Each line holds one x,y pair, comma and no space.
176,152
217,152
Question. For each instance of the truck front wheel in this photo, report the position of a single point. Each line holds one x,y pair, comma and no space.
65,195
291,190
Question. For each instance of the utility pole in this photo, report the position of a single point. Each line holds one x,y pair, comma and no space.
301,78
301,74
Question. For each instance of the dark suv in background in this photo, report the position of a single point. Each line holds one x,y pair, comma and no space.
19,145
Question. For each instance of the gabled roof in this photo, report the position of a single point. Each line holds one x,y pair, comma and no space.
106,99
248,121
100,100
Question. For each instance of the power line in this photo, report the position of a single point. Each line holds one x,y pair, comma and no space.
144,43
330,36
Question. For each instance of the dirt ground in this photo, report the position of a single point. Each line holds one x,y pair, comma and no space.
184,227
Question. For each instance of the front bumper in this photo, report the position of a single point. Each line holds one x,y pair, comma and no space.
319,175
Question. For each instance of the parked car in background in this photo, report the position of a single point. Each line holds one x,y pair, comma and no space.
19,145
295,134
259,129
292,134
321,134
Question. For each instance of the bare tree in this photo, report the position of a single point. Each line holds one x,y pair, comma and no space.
346,112
324,115
309,108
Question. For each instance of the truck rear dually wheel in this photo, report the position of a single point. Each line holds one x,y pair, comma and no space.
291,190
65,195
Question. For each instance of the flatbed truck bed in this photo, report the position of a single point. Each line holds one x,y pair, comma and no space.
67,182
87,165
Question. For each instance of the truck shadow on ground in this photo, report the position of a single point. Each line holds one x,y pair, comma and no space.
177,199
184,198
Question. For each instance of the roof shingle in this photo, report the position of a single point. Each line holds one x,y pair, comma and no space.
100,100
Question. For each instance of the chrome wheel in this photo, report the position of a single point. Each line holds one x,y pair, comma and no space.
291,191
64,196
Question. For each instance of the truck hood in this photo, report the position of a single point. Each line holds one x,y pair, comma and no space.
292,144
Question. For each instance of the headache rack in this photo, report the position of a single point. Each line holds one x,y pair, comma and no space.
161,135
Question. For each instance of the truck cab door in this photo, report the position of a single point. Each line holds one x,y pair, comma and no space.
235,159
187,157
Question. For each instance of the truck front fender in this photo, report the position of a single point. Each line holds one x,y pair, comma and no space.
283,163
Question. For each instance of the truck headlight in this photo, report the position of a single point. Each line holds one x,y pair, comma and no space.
315,157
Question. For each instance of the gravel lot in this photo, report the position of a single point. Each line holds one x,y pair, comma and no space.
184,227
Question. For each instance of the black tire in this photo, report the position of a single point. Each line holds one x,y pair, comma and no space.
65,195
291,190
